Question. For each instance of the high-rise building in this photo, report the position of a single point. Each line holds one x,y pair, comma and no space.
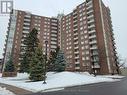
85,35
87,38
20,24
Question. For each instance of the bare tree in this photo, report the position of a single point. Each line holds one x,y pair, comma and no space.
121,62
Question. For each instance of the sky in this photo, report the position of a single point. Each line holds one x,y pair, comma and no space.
53,7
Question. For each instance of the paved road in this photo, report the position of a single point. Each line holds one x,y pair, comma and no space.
113,88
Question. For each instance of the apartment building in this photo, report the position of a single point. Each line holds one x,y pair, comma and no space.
88,39
85,35
20,24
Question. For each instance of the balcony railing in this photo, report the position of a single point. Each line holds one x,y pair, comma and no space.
92,31
77,68
93,42
92,37
92,48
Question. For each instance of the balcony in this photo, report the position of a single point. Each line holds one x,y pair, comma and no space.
97,66
89,7
27,20
27,16
75,21
53,35
75,29
89,3
91,26
75,43
91,21
93,48
54,20
95,60
53,31
77,52
92,37
94,54
25,32
75,12
22,45
77,62
53,39
27,24
76,38
26,28
92,31
53,42
75,25
93,42
75,34
89,12
77,57
90,16
77,68
54,24
75,17
76,47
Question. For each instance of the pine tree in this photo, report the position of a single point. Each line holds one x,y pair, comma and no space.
37,65
30,42
9,67
56,61
24,66
51,61
60,62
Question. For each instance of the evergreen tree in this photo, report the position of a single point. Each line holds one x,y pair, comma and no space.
51,61
37,65
60,62
31,43
24,64
56,61
9,66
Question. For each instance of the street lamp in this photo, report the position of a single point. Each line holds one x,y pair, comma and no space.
46,43
94,69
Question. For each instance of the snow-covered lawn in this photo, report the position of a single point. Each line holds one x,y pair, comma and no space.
56,80
3,91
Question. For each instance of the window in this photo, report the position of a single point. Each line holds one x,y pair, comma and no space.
82,38
86,36
87,52
81,28
85,31
84,17
87,58
82,43
83,47
86,42
80,19
83,53
83,58
86,47
81,23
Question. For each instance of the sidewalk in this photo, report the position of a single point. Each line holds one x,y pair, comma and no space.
16,90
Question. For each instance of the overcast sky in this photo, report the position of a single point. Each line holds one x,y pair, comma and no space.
53,7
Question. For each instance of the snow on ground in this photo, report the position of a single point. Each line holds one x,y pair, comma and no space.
3,91
55,81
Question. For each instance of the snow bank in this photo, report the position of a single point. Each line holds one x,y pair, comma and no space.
3,91
55,80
